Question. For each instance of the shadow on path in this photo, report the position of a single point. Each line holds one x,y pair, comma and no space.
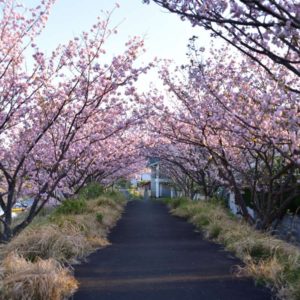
155,256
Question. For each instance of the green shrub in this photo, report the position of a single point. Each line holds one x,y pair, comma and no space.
112,193
91,191
72,206
99,217
177,202
214,231
134,197
116,196
167,200
201,220
259,251
293,275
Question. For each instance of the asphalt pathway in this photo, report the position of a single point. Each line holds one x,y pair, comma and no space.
155,256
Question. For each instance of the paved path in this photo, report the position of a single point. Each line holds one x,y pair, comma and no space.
155,256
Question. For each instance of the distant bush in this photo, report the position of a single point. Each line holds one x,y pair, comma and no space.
72,206
115,196
167,201
176,202
91,191
99,217
134,194
112,193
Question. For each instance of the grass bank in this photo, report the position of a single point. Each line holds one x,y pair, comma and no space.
269,260
36,264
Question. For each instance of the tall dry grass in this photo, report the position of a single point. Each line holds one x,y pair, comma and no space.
270,260
36,263
40,280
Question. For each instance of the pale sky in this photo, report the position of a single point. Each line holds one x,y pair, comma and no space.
166,36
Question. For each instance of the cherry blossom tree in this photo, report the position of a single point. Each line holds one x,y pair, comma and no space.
245,124
58,116
258,29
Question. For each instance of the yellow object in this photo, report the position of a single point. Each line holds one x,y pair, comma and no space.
18,209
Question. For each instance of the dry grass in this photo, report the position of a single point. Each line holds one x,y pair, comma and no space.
49,241
67,238
271,261
40,280
34,270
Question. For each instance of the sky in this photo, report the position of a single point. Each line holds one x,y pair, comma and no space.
165,35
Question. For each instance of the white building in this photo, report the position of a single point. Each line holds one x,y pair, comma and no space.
160,184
